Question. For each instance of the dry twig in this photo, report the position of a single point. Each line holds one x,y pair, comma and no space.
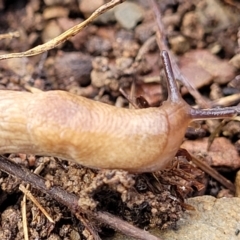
34,200
24,218
161,41
30,196
64,36
71,201
227,101
10,35
213,173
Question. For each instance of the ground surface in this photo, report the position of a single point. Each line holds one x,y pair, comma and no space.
117,49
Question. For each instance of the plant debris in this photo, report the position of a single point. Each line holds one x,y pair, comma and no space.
96,61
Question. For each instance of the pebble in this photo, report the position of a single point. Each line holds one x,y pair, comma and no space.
51,31
212,219
58,2
235,61
222,152
98,46
87,7
179,44
144,31
129,14
201,67
55,12
19,66
73,65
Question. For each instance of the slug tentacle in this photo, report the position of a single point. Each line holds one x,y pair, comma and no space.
173,93
214,113
175,97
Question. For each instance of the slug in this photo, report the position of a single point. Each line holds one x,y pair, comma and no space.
97,135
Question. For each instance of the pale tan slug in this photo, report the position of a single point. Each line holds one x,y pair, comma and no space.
97,135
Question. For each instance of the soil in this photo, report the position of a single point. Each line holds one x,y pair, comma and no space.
109,54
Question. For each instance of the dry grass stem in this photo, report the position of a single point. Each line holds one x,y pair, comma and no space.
64,36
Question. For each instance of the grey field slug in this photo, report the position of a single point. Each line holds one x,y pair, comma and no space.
97,135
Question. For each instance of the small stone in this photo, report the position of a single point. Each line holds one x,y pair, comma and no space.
53,237
222,152
191,26
215,11
99,79
58,2
87,7
179,44
51,31
235,61
19,66
211,219
107,17
201,67
73,65
128,14
74,235
55,12
122,63
2,4
144,31
98,46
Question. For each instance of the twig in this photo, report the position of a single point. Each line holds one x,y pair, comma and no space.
9,35
34,200
24,218
213,173
64,36
128,98
161,41
23,203
227,101
124,227
145,48
71,201
88,226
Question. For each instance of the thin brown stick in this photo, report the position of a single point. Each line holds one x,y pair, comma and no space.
213,173
64,36
71,201
128,98
34,200
88,226
145,48
161,41
133,231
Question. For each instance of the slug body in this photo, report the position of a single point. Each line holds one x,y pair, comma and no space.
94,134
